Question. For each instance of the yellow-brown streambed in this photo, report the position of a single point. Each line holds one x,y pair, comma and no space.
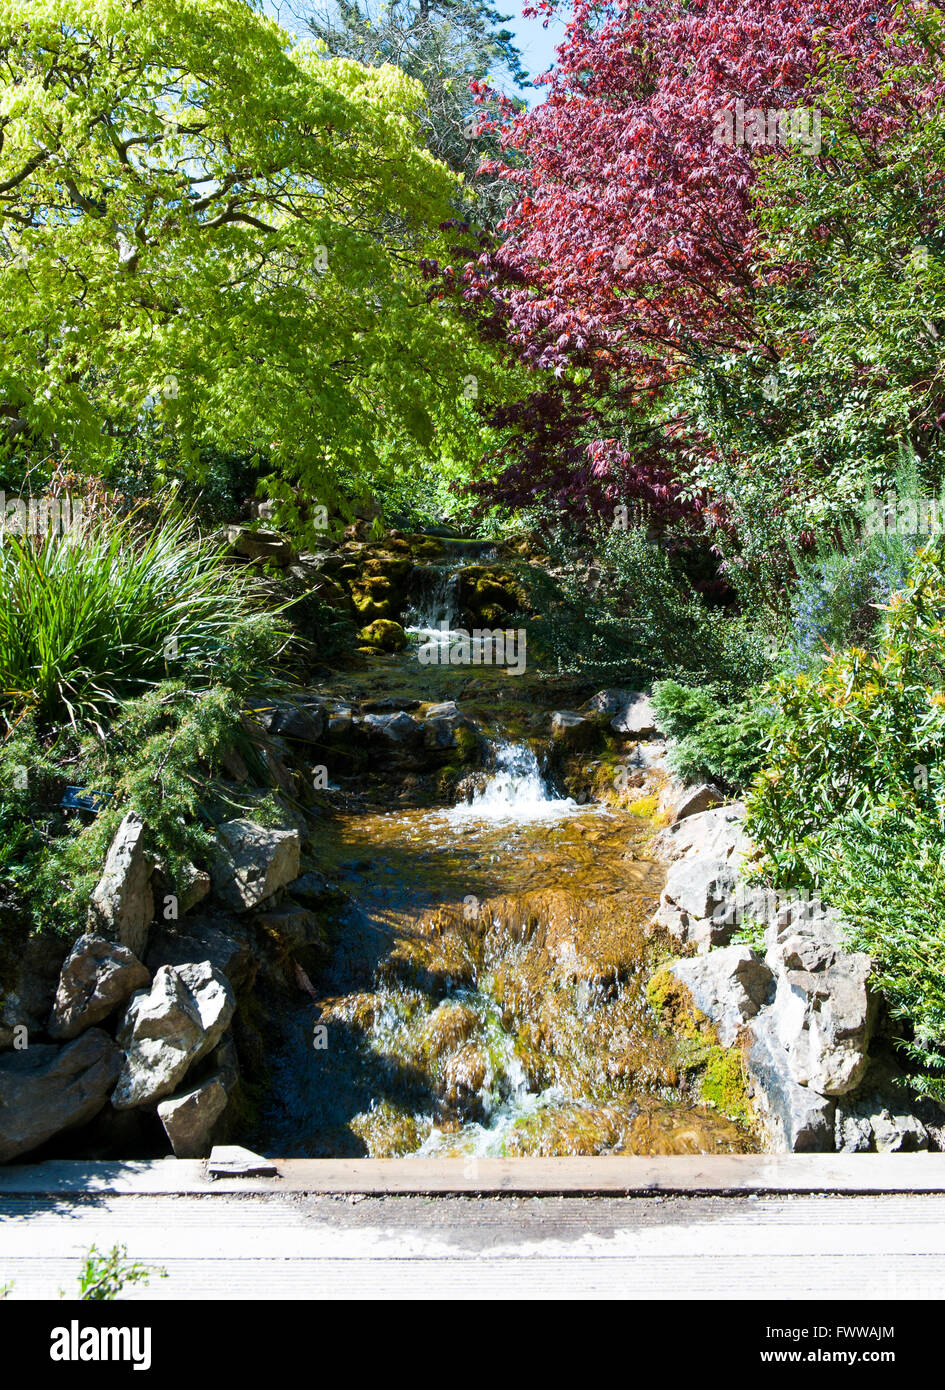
486,993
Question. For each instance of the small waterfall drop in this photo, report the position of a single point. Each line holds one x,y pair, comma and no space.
515,790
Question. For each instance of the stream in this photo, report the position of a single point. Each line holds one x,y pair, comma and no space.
486,988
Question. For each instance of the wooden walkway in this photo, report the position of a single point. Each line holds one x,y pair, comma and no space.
794,1228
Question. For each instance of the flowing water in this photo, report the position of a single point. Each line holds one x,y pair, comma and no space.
486,994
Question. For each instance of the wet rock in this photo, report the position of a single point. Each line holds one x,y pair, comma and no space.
224,942
448,1026
729,986
694,800
46,1089
340,723
189,1118
303,723
122,904
259,545
798,1119
97,976
253,862
390,704
396,729
168,1028
573,732
384,633
694,903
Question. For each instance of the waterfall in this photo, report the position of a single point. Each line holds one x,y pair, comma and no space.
436,603
514,790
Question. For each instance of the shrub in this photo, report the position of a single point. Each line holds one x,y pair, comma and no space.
852,800
629,614
713,741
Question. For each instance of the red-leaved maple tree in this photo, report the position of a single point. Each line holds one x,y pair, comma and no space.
630,252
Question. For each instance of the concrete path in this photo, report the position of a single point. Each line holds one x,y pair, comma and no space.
284,1239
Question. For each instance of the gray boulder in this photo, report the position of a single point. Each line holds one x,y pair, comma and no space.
302,723
225,943
798,1119
259,545
46,1089
694,800
189,1118
29,986
729,986
824,1007
628,712
97,976
695,901
718,833
253,862
122,904
167,1029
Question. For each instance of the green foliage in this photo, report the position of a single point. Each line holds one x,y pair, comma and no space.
852,800
105,1275
629,614
713,741
103,611
216,233
845,368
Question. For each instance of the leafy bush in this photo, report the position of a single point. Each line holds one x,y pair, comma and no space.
852,800
713,741
104,611
630,614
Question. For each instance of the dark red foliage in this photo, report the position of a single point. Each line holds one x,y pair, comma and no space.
630,252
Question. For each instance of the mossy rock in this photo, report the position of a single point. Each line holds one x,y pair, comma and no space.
388,636
372,609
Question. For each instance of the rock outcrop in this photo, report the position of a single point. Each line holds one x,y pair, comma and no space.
253,862
97,976
168,1028
46,1089
122,904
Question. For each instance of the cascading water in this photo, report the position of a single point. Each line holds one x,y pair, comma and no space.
486,987
514,791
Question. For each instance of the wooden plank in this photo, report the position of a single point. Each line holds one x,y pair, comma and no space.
263,1246
743,1173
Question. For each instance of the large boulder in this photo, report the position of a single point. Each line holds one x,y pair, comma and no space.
259,545
97,976
628,713
305,723
824,1007
46,1089
695,902
253,862
718,833
168,1028
189,1118
694,800
385,634
122,904
825,1021
225,942
398,730
28,987
729,986
797,1118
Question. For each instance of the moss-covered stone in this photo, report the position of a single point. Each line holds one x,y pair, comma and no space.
384,634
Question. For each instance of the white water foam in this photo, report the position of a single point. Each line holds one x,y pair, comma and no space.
514,791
